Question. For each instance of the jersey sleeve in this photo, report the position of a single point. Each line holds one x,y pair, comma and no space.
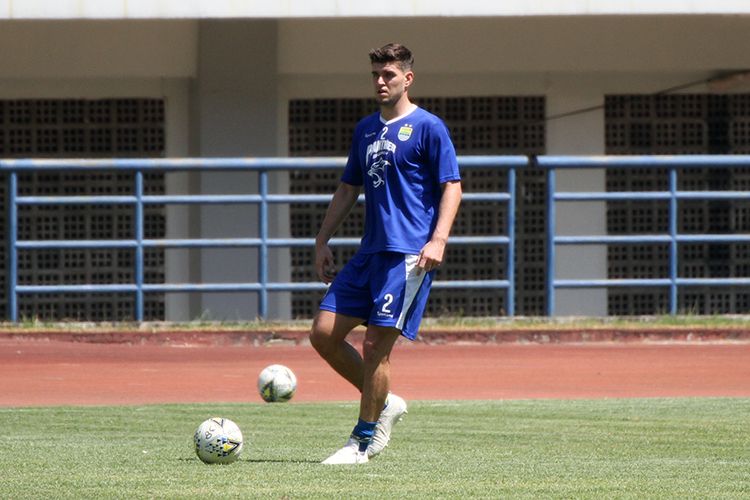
353,170
442,153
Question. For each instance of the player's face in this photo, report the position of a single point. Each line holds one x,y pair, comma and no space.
390,82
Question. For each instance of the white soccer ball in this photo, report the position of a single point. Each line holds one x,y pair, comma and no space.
276,384
218,441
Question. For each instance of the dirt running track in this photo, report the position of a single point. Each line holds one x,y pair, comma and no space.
49,372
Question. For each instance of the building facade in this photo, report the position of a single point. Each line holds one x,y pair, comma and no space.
218,79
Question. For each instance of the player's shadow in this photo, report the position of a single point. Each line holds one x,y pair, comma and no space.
279,461
260,461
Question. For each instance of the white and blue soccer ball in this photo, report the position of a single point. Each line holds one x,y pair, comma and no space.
277,384
218,441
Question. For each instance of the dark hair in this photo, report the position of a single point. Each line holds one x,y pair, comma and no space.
393,52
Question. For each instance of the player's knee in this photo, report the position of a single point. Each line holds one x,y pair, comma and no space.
321,338
368,352
374,352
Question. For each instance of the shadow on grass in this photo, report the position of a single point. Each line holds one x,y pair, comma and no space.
256,461
279,461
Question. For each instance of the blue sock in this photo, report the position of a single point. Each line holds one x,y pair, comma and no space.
363,432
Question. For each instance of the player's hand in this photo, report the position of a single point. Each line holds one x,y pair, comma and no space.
431,255
324,264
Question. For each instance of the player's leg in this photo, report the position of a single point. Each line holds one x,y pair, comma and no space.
376,349
344,307
328,337
378,406
404,295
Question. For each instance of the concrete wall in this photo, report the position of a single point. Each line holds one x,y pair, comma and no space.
237,115
543,45
574,62
227,84
128,9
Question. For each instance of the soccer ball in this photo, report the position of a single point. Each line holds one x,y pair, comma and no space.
218,441
276,384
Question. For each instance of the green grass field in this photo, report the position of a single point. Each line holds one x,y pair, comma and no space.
647,448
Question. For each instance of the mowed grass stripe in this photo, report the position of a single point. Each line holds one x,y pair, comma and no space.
643,448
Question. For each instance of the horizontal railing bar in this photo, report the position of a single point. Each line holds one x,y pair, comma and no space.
62,244
611,196
180,243
471,284
713,281
245,242
478,240
185,199
202,287
76,200
173,164
248,198
227,242
227,287
712,195
506,161
650,195
656,238
602,240
249,164
235,287
713,238
83,288
299,163
643,161
324,198
601,283
290,287
212,199
605,283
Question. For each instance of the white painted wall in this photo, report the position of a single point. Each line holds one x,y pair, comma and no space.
98,49
125,9
542,45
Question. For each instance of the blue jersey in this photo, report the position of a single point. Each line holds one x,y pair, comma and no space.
401,163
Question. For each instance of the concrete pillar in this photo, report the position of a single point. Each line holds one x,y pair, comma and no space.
579,134
236,113
180,219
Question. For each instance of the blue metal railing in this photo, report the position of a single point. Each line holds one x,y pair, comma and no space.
263,166
673,238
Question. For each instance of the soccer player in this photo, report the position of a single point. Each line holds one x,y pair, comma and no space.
404,158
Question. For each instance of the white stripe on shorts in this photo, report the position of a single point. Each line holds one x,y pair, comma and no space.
414,279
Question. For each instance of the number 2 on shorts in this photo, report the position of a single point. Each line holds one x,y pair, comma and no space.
388,300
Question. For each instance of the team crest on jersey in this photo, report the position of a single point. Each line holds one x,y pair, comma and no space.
405,132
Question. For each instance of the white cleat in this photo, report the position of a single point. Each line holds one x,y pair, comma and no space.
394,410
349,454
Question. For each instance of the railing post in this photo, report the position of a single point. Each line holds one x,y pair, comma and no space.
673,207
139,234
263,249
551,228
511,264
12,250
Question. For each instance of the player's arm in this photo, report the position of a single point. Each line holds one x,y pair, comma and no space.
433,252
343,200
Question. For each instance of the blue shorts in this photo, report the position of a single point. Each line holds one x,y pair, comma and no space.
384,289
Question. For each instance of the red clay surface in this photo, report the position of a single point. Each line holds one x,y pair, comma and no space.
35,372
